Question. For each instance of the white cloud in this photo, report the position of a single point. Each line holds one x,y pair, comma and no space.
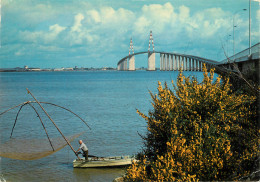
163,19
41,36
142,24
77,23
94,15
111,18
184,14
258,15
107,14
103,26
108,29
56,29
155,17
108,26
29,36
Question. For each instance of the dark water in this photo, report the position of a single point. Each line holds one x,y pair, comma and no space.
106,100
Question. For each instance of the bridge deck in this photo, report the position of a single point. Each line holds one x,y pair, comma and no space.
170,53
243,55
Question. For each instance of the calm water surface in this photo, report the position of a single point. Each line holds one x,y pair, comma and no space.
106,100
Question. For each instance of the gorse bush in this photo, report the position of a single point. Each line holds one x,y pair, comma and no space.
198,131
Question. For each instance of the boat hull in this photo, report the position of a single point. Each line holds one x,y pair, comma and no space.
99,162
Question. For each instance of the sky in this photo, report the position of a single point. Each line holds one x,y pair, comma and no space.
97,33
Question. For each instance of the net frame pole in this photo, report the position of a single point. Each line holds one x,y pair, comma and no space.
42,125
39,119
29,92
22,104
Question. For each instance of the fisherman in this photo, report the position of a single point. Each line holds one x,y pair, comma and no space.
84,149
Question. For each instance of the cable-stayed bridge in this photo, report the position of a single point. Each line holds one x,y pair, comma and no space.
170,61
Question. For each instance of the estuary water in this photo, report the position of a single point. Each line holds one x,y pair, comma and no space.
107,100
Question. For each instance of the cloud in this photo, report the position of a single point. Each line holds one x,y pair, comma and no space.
258,15
100,27
77,23
41,36
155,17
56,29
94,15
171,22
142,24
105,29
184,14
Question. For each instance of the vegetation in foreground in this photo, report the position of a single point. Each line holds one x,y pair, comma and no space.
198,131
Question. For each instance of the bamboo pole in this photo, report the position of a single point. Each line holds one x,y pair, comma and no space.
38,117
53,122
12,108
65,109
42,125
17,118
46,103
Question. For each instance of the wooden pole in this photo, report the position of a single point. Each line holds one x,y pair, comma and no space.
13,108
42,125
53,122
16,119
66,110
22,104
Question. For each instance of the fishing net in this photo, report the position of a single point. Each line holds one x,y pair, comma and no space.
32,149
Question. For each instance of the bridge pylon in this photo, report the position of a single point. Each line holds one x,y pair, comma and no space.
131,58
151,54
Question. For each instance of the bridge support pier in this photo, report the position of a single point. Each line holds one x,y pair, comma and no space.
192,64
182,63
189,64
171,62
132,63
151,61
174,63
179,62
164,62
186,64
160,62
168,62
122,66
125,65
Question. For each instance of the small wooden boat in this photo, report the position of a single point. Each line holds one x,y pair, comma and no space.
95,162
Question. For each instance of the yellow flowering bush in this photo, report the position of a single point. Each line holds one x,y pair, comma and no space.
198,131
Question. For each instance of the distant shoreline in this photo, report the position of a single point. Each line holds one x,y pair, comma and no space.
62,69
54,69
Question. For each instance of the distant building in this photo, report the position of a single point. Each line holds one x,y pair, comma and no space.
34,69
67,69
58,69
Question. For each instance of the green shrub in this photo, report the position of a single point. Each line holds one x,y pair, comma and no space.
198,131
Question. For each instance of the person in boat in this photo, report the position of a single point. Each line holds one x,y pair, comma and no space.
84,149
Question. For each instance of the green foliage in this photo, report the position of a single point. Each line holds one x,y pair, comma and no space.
198,131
